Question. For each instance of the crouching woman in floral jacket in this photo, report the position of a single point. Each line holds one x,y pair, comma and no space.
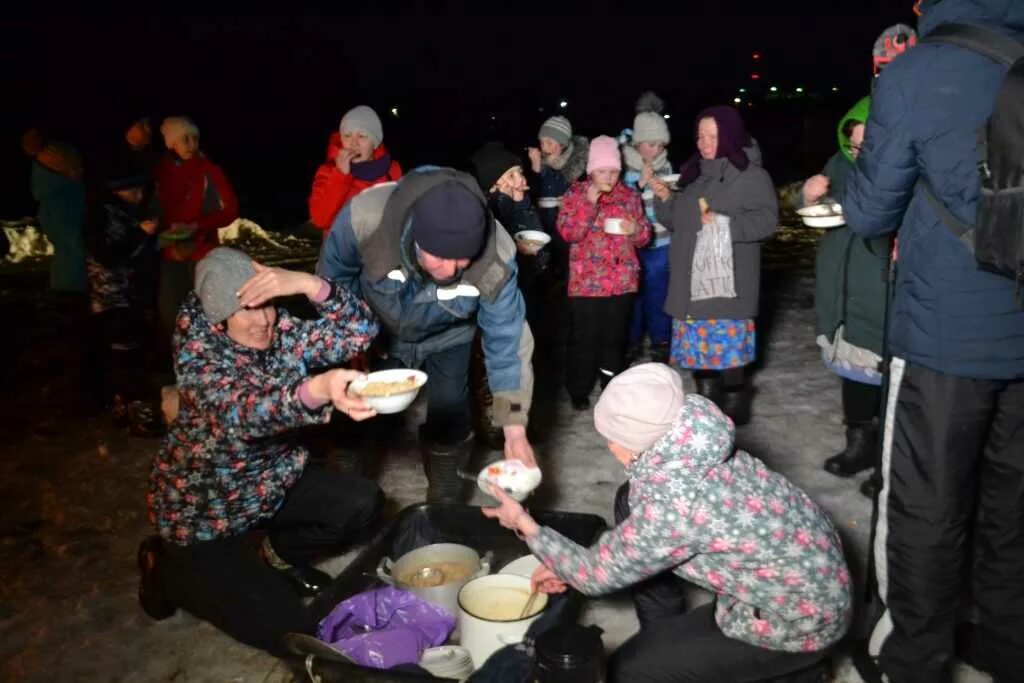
239,515
696,509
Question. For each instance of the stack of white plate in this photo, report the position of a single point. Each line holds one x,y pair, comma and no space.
448,661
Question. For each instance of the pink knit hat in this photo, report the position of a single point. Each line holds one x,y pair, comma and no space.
604,153
639,406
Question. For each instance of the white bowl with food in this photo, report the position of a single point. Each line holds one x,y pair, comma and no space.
617,226
672,180
513,477
530,242
825,215
389,391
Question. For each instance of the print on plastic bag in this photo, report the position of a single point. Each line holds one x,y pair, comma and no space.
712,275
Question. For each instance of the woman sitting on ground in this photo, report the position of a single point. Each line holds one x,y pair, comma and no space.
695,508
239,515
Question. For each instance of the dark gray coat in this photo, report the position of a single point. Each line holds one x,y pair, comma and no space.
748,198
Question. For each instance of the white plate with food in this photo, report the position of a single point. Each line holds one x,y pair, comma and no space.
530,242
672,180
512,476
616,226
389,391
825,215
524,566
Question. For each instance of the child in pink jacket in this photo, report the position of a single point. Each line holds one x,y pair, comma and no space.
604,223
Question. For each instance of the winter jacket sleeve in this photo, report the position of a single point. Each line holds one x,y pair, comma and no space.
243,408
577,215
516,216
759,217
210,222
638,548
339,260
394,171
331,188
880,189
508,344
345,328
663,211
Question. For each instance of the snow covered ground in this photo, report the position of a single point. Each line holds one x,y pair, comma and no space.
72,492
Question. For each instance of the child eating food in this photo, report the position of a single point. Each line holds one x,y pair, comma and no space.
696,509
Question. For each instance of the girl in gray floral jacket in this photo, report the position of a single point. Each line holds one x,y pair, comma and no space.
702,511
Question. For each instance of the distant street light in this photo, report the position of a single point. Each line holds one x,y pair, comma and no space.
774,89
394,111
835,89
737,100
799,89
563,104
743,90
668,116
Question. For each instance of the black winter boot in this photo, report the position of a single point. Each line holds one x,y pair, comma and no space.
735,402
872,485
861,451
151,599
442,464
660,353
708,386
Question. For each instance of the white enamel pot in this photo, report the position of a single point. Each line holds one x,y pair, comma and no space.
489,609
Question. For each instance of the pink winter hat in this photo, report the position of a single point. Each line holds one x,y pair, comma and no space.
604,153
639,406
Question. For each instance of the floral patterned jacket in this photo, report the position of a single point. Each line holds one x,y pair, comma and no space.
227,460
601,264
724,521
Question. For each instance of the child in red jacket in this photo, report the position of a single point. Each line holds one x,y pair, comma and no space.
604,223
195,200
356,160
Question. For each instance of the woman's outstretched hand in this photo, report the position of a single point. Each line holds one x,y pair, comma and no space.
511,514
544,580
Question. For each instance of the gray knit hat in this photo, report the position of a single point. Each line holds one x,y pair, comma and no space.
639,406
219,276
365,120
558,129
649,124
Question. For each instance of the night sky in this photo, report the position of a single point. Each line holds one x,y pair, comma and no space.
267,89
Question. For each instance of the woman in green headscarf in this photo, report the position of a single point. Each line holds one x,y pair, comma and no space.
850,301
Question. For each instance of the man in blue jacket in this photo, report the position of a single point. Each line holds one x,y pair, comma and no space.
430,260
953,456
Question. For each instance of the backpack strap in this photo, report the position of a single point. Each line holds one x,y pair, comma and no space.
961,230
996,46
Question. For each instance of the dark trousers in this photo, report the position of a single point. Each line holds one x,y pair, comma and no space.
598,327
731,379
116,361
228,583
175,281
953,471
861,402
675,646
649,316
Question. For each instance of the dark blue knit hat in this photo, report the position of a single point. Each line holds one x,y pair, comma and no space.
450,222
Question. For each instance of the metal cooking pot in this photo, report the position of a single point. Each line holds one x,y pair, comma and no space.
445,594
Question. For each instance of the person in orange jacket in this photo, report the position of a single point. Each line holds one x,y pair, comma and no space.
195,200
356,160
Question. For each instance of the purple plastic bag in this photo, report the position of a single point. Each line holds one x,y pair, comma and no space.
385,627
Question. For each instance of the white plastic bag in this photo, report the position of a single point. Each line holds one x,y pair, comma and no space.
712,275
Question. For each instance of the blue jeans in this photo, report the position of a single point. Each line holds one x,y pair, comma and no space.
649,315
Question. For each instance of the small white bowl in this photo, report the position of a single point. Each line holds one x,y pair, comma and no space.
671,180
613,226
394,403
549,202
525,237
827,215
515,478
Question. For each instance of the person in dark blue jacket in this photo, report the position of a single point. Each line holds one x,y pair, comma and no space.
427,256
953,456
